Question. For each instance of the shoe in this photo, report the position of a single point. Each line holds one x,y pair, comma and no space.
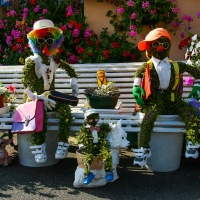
40,153
109,176
193,153
62,150
140,161
89,178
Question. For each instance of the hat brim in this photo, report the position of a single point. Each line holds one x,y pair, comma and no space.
32,33
142,46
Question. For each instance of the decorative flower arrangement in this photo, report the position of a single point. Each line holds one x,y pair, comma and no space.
3,91
104,90
131,16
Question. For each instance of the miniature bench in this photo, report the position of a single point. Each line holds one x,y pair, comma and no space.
121,73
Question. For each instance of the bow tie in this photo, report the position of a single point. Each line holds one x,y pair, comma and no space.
92,128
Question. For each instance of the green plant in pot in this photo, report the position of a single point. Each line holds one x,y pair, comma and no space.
103,97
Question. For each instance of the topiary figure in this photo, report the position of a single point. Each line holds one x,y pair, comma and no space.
156,90
38,78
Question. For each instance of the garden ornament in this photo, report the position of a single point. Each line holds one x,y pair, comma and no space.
101,77
5,159
38,78
157,91
93,143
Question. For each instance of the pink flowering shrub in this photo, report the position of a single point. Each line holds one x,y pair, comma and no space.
139,13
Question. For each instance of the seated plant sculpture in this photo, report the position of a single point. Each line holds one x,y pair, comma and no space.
156,90
38,78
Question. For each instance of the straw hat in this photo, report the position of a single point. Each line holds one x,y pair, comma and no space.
153,35
43,24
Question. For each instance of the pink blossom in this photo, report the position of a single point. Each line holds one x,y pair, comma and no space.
175,24
69,8
87,33
175,9
9,40
145,4
15,33
130,3
120,10
24,15
132,27
189,80
132,33
44,11
182,34
37,9
73,59
153,11
133,16
25,10
75,32
187,18
63,28
69,13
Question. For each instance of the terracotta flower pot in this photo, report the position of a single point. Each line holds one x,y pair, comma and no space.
97,163
1,101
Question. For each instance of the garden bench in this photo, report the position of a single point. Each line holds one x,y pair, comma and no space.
120,73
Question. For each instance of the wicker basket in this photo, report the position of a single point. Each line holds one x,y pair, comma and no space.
102,102
97,163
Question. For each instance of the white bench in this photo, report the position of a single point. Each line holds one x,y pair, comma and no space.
121,73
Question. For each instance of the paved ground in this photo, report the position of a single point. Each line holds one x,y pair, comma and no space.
56,182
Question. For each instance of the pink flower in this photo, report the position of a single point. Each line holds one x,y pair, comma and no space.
87,33
132,33
25,10
175,10
187,18
182,34
9,40
175,24
132,27
153,11
120,10
37,9
133,16
130,3
75,32
145,4
24,15
44,11
189,80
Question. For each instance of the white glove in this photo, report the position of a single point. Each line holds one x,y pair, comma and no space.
49,103
74,86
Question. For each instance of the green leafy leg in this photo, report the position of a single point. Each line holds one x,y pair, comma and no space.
65,121
147,125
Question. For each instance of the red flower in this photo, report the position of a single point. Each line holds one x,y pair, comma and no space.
77,40
78,26
106,54
11,88
115,45
20,40
126,53
60,50
80,51
15,48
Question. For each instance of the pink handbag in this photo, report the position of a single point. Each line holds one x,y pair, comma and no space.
28,117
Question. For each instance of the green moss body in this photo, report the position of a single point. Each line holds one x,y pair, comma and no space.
36,85
84,136
161,104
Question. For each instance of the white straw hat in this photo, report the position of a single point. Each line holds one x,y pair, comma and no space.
42,24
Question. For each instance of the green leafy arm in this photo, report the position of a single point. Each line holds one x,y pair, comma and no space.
193,71
141,70
68,68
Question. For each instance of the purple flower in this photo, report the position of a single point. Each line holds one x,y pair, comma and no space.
9,40
175,24
87,33
44,11
187,18
132,27
133,16
25,10
145,4
198,14
132,33
120,10
15,33
37,9
24,15
182,34
130,3
189,80
175,10
75,32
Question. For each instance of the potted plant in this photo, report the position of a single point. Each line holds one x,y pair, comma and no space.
3,95
103,97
